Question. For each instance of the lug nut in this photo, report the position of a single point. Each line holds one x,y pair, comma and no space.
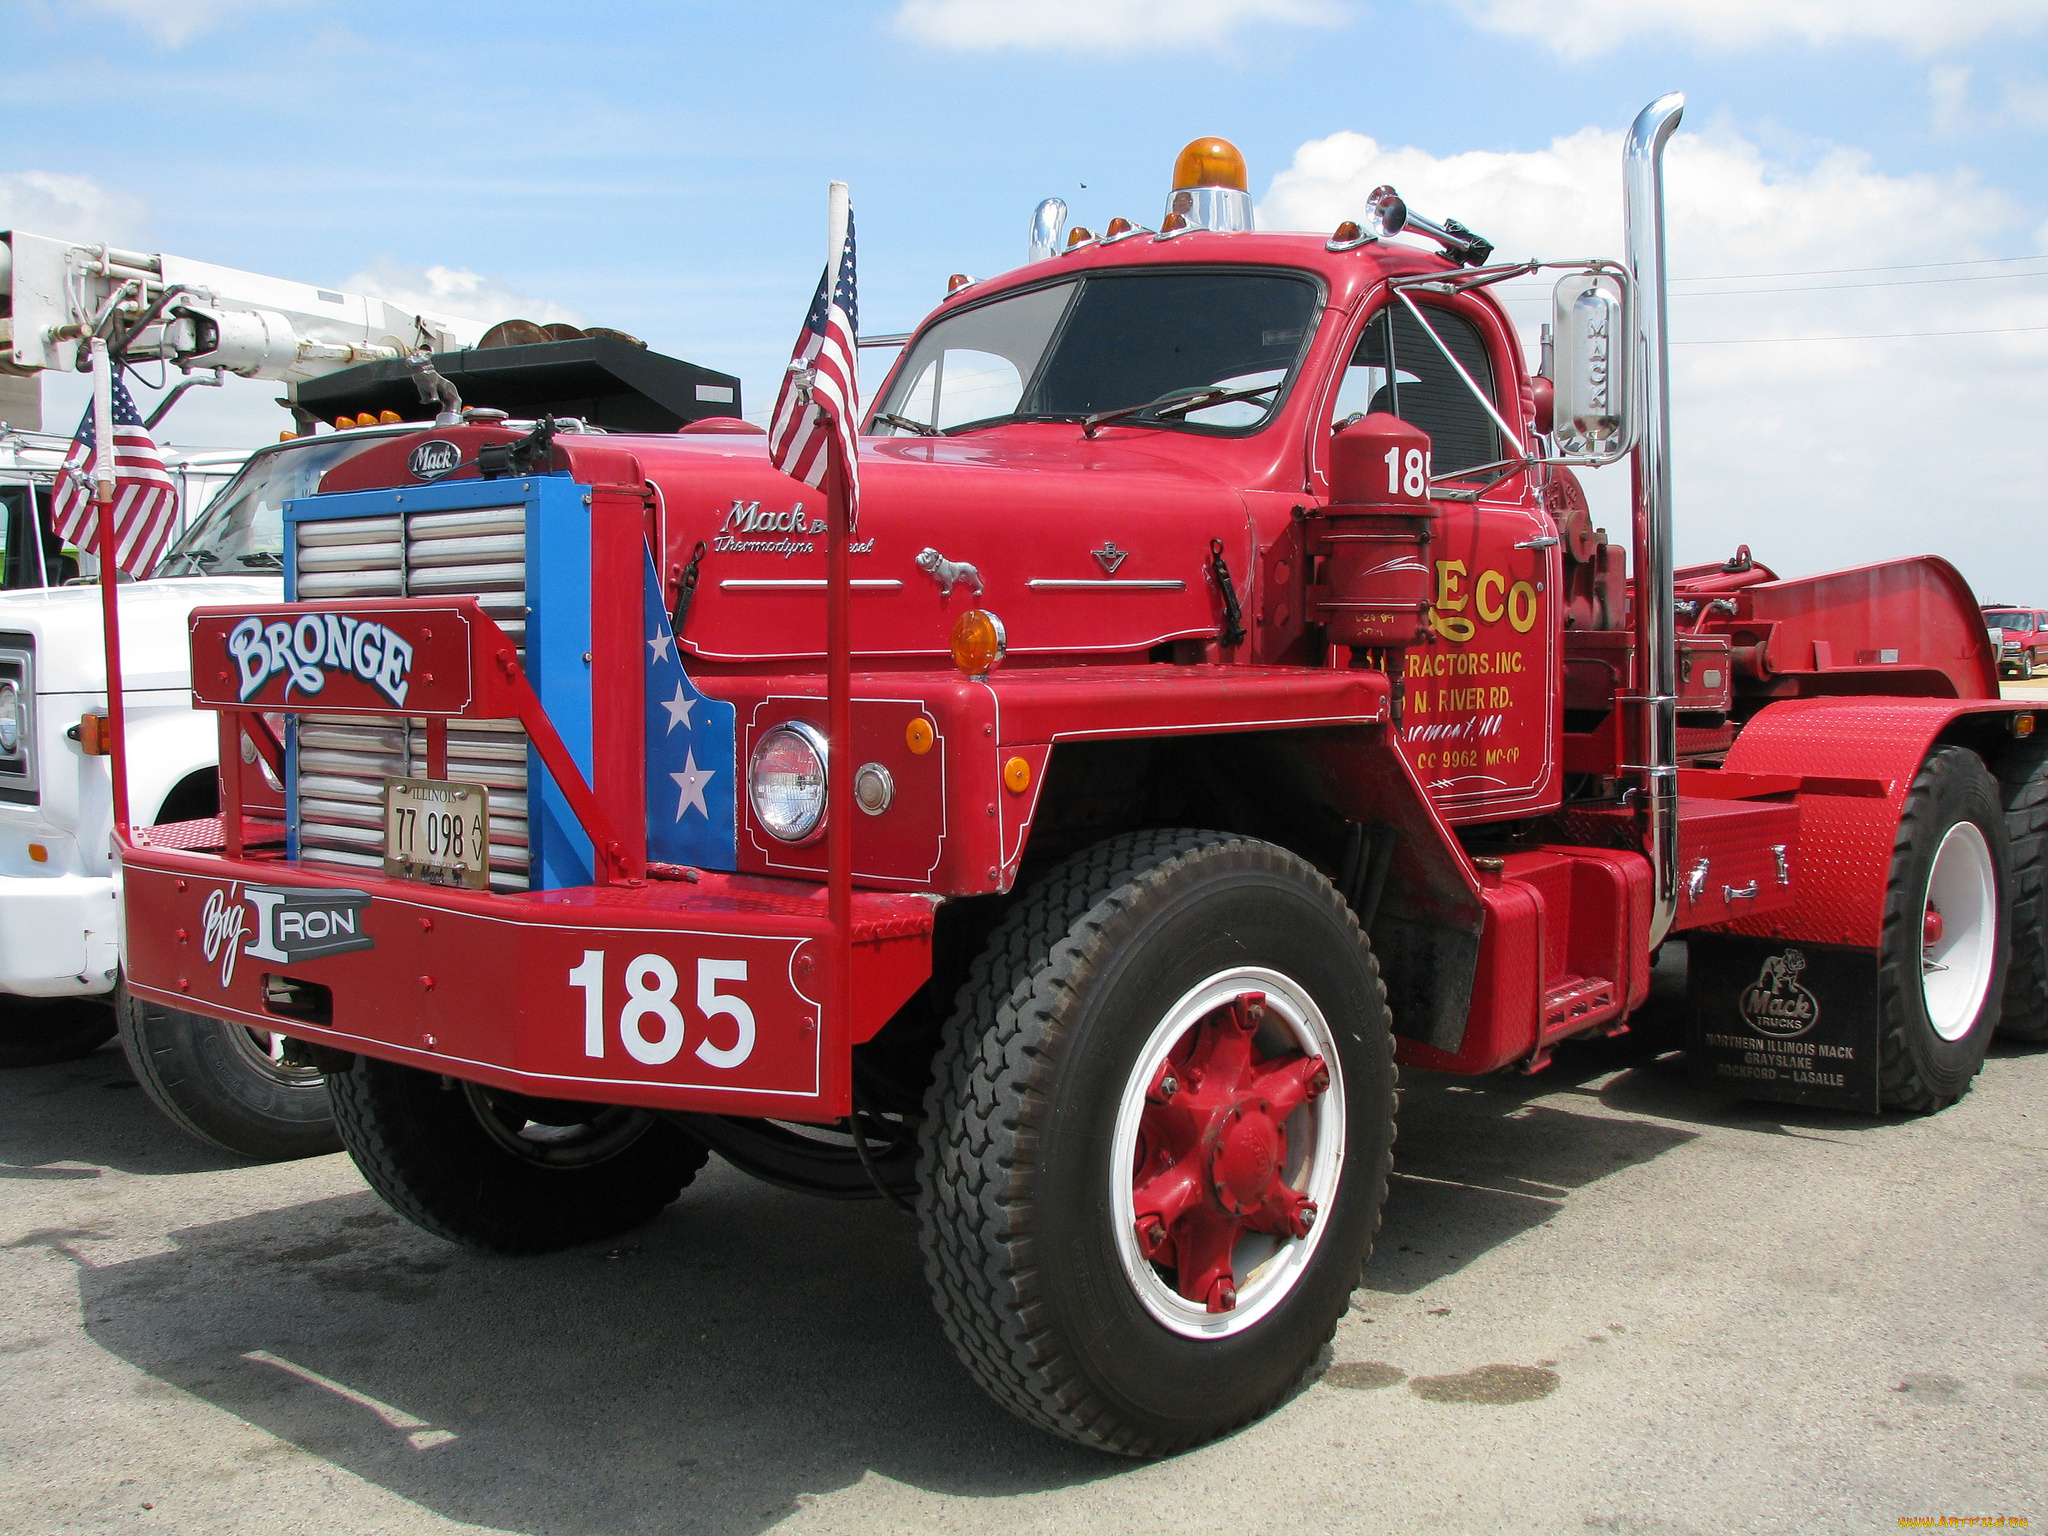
1169,1085
1319,1079
1151,1234
1222,1296
1305,1218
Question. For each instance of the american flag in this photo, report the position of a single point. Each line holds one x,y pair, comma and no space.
824,362
145,497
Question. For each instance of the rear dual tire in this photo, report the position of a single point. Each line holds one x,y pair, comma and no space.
1947,935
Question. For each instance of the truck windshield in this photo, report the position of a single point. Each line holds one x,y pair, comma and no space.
2008,621
242,528
1106,341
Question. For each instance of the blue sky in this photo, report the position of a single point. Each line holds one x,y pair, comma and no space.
661,168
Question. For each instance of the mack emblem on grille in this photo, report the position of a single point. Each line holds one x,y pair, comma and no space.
433,459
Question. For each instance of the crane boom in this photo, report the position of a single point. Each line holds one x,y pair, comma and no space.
56,294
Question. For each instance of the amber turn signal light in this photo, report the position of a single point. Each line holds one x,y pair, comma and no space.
1080,234
91,735
1118,226
388,418
978,642
2022,724
1172,222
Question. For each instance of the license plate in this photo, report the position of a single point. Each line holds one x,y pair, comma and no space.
437,831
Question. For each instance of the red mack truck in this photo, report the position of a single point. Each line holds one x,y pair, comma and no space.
1239,702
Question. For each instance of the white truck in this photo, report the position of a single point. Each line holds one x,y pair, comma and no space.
59,907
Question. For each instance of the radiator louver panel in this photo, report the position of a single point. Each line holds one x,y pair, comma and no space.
344,759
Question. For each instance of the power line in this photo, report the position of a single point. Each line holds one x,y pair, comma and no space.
1911,266
1732,341
1910,282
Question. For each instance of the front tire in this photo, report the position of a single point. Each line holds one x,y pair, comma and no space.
1947,934
1158,1140
227,1085
502,1171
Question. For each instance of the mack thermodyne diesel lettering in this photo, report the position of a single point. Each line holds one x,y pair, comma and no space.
314,644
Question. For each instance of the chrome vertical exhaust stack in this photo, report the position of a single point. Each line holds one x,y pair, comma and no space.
1652,723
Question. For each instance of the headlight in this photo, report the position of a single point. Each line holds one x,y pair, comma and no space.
786,781
10,718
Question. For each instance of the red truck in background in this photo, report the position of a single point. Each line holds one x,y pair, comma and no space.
1241,702
2019,635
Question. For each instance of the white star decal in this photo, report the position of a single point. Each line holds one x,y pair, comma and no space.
679,709
692,781
659,643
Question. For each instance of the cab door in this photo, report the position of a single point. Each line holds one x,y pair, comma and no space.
1481,710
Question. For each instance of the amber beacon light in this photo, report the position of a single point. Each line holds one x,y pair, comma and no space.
1210,188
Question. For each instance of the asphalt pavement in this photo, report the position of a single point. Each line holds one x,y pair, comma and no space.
1602,1302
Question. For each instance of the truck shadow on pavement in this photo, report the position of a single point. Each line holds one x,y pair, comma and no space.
704,1374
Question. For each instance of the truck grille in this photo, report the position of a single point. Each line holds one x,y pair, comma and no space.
343,760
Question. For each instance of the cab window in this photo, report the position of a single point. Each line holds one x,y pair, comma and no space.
1397,368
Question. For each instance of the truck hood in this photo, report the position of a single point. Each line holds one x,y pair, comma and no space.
155,643
1077,546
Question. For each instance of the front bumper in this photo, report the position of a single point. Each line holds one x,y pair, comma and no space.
704,996
60,935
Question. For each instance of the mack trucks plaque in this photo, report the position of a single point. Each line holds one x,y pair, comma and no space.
1792,1023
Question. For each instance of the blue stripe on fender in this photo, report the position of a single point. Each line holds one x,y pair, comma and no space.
692,759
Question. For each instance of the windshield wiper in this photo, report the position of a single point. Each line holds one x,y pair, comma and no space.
196,557
904,423
1179,401
260,560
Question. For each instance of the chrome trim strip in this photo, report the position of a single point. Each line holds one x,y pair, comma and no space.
1099,584
804,584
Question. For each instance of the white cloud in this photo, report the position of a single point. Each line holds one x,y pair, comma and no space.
453,291
1582,28
71,208
173,22
1105,25
1818,453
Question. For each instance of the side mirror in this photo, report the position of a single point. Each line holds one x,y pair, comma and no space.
1592,410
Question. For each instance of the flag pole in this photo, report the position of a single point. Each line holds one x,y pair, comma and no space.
103,472
838,678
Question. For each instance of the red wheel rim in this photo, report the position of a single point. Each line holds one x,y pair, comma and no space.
1230,1143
